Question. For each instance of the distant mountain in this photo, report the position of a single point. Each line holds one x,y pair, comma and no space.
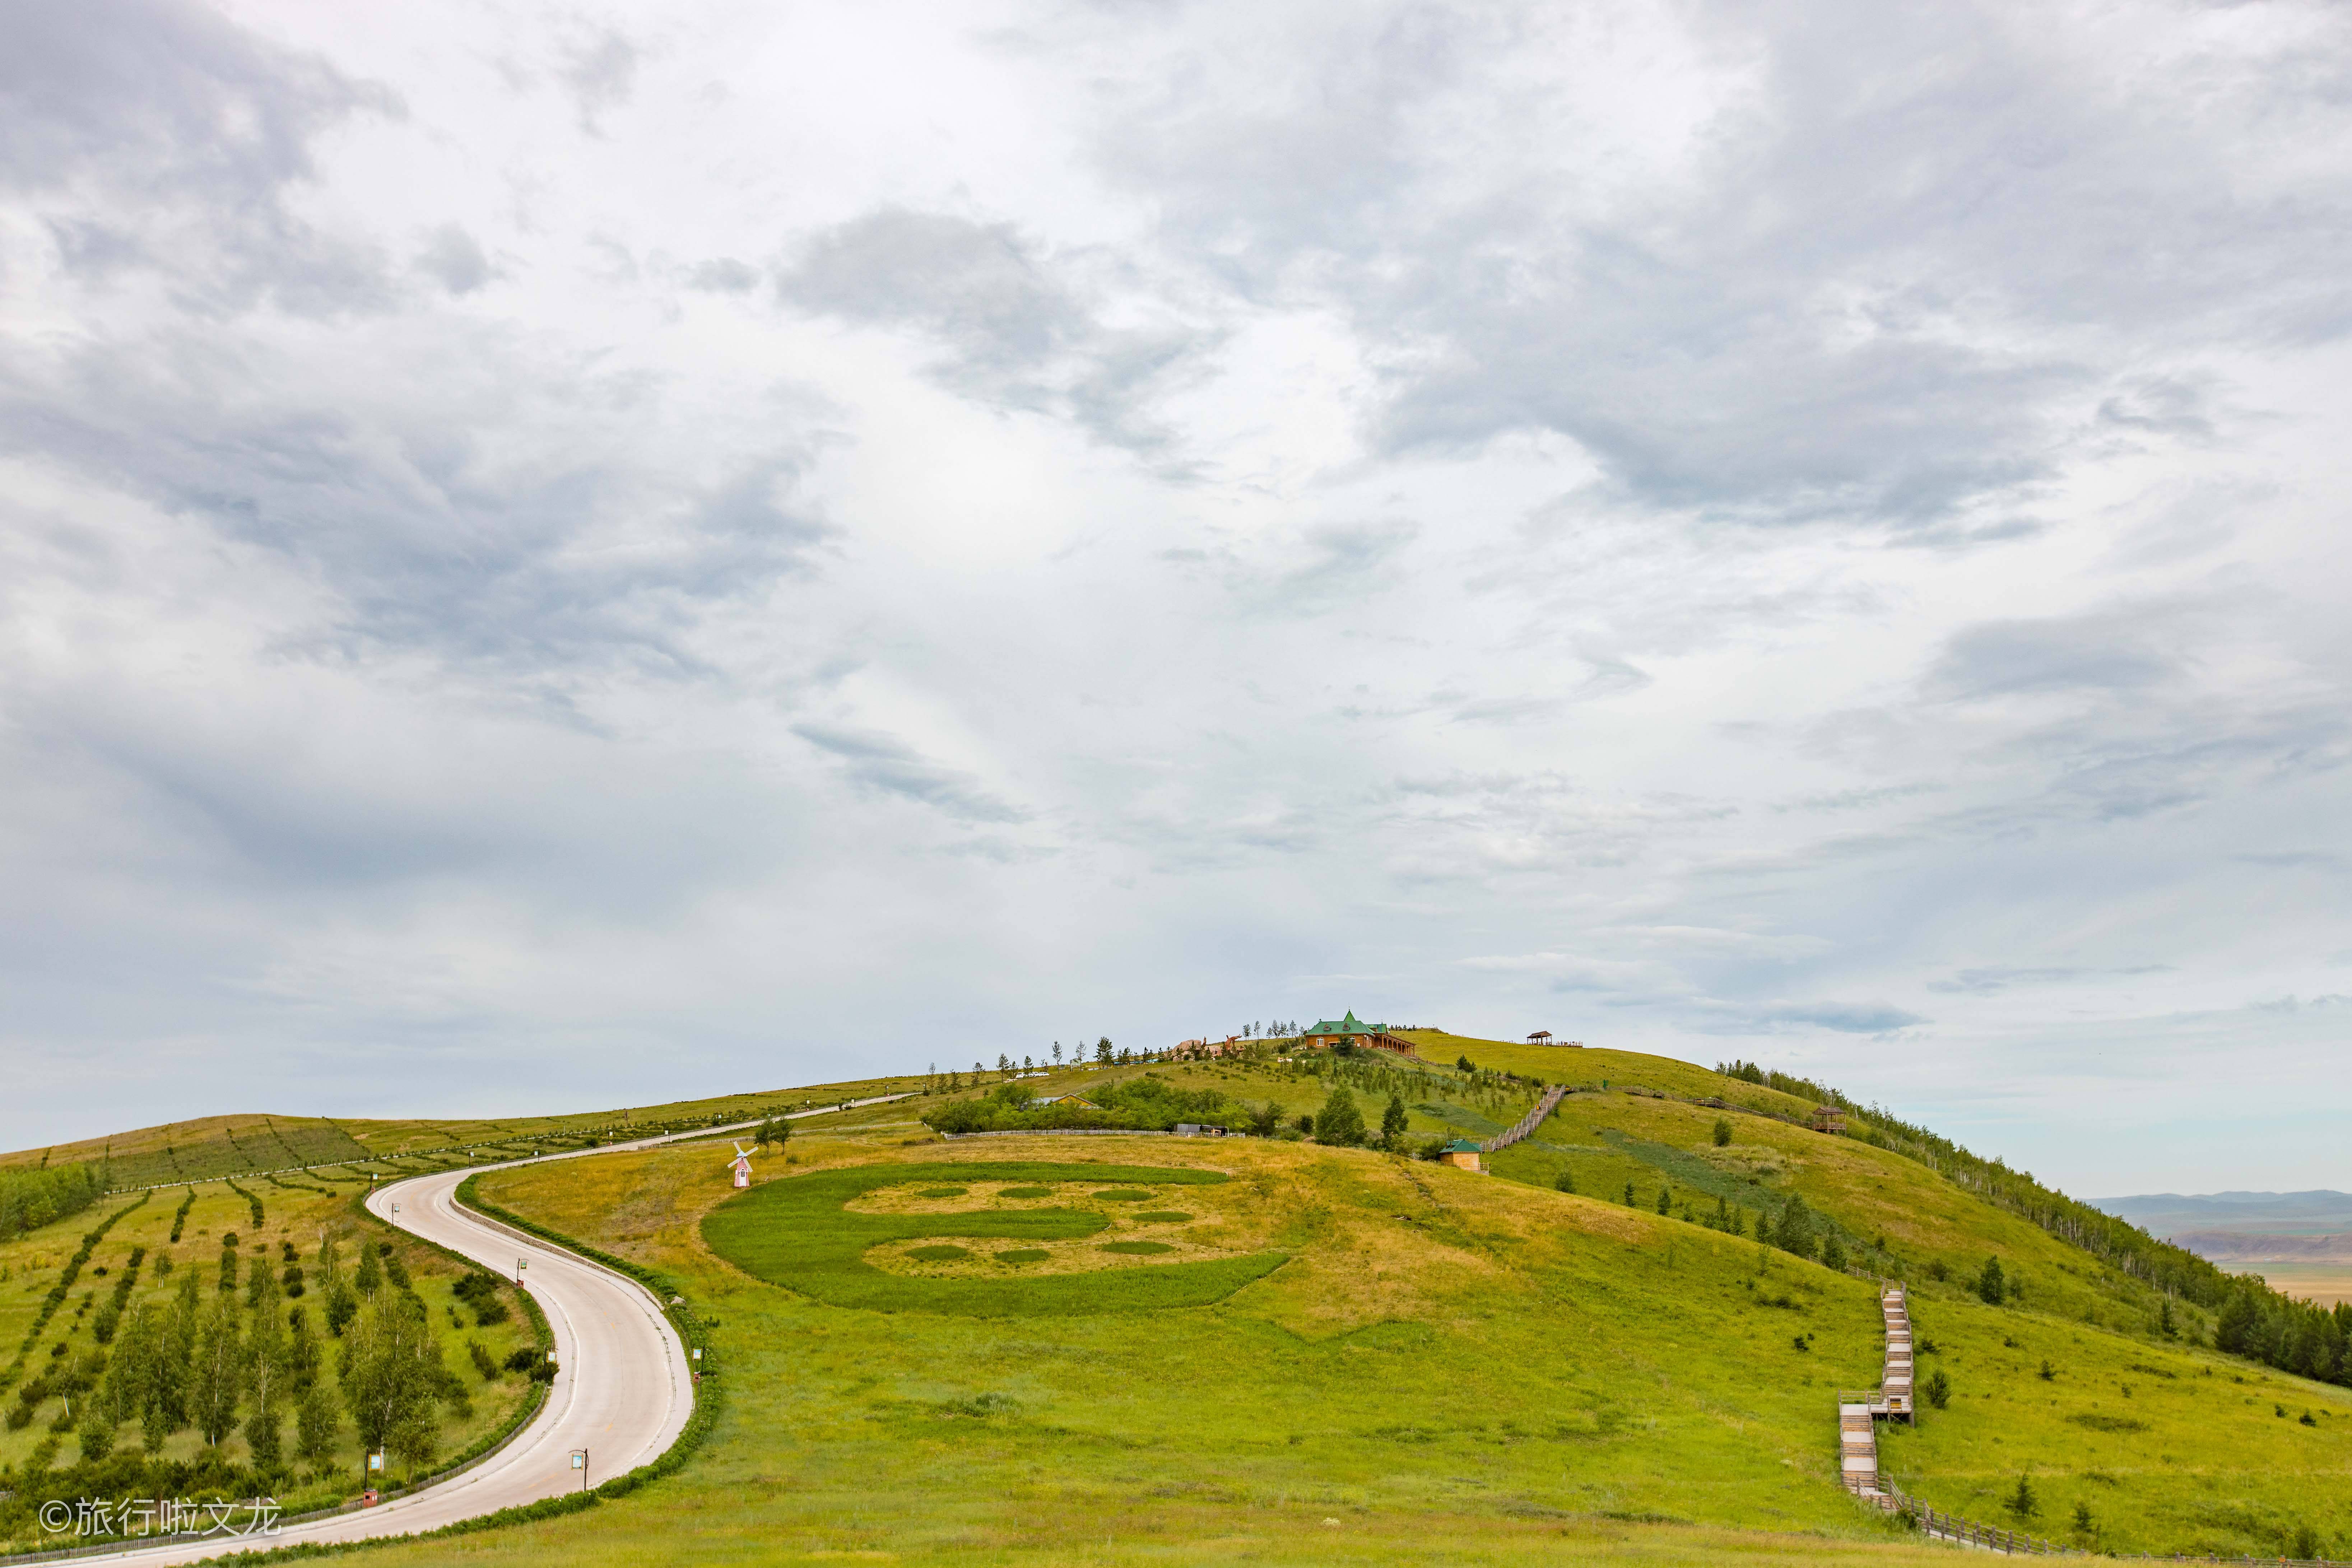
2232,1248
2189,1219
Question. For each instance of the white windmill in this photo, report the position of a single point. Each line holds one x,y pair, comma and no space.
742,1166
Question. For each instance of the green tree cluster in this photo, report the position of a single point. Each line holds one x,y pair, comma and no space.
32,1198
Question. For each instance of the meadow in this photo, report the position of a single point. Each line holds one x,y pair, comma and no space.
1032,1349
1442,1357
214,1147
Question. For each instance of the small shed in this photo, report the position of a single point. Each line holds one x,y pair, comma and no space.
1462,1153
1828,1118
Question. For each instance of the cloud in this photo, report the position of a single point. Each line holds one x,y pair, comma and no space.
722,275
2107,653
453,259
1742,287
602,73
881,764
1845,1017
1017,330
157,136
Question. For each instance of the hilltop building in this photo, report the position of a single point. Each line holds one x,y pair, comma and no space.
1350,1030
1464,1153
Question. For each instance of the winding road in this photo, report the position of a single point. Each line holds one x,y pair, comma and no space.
622,1392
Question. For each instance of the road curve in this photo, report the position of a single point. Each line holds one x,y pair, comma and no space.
622,1390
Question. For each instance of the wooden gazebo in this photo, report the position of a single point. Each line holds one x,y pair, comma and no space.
1540,1037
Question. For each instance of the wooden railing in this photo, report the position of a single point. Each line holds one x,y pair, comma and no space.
1527,1123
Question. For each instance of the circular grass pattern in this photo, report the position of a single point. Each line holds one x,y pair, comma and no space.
802,1233
1124,1196
940,1254
1137,1249
1026,1193
1162,1216
1023,1254
943,1192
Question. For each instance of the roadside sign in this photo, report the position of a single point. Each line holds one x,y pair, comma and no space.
375,1460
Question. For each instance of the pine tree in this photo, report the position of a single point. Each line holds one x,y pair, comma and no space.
1990,1288
2021,1501
1340,1121
1392,1121
1665,1199
1794,1234
2165,1324
1832,1251
1629,1194
370,1277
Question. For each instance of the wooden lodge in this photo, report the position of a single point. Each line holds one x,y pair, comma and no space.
1351,1031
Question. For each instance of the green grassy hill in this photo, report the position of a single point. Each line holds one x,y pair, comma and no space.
213,1147
934,1350
1483,1361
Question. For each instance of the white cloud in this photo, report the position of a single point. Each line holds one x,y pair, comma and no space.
710,547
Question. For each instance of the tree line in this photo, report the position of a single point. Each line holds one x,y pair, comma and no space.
2265,1325
32,1198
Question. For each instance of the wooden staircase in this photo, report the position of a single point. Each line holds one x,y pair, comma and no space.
1858,1417
1527,1124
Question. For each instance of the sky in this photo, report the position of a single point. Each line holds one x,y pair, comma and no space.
558,557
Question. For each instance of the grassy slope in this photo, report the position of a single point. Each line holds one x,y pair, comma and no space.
29,1266
1445,1357
1508,1369
212,1147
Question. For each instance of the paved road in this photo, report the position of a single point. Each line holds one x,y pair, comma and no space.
622,1392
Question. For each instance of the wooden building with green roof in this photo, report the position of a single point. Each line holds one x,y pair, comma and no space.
1351,1030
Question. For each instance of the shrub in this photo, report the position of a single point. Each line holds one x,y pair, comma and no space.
1565,1181
1937,1388
1833,1252
2020,1501
1991,1288
1722,1132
